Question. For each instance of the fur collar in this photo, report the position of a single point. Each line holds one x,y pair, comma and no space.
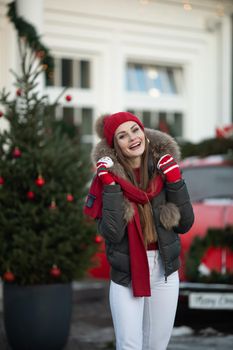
161,144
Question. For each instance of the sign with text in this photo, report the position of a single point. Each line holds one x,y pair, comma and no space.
214,301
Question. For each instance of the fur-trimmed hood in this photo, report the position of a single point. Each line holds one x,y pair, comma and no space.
161,144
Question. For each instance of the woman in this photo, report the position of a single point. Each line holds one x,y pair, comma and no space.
141,204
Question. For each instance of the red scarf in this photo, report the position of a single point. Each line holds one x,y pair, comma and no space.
138,257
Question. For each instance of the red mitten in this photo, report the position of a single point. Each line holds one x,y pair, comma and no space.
102,166
169,168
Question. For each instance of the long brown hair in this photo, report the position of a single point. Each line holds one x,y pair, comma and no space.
145,211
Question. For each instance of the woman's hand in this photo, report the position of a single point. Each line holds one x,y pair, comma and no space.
169,167
103,165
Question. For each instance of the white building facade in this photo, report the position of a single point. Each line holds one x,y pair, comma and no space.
168,61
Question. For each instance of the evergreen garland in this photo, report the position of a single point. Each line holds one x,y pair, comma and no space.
208,147
28,31
215,237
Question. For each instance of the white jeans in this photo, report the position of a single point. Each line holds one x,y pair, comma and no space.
145,323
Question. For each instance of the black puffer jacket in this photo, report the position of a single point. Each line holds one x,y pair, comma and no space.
172,212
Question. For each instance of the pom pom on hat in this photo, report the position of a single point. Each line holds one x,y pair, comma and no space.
106,125
99,126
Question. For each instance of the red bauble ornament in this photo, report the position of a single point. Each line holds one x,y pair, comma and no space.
40,181
68,98
8,276
98,239
55,271
31,195
1,180
1,114
69,197
53,205
18,92
16,152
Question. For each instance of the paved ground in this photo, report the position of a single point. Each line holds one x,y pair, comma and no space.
91,327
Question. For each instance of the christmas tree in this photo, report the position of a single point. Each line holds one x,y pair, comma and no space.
44,237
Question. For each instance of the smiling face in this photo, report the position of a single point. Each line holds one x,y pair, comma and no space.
131,140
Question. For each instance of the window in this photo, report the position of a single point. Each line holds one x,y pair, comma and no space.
71,73
79,123
154,80
169,122
66,72
208,187
84,74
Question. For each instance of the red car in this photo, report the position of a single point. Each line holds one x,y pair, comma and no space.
207,301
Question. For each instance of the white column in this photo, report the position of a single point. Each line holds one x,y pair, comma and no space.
32,12
226,49
8,59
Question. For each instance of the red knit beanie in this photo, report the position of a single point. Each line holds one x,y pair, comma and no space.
112,122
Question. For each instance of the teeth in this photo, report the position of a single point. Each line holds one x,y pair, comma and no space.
136,144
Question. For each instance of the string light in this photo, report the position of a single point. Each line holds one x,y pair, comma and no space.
152,73
153,92
187,5
220,9
144,2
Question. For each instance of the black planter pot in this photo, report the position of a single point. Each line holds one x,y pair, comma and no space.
37,317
